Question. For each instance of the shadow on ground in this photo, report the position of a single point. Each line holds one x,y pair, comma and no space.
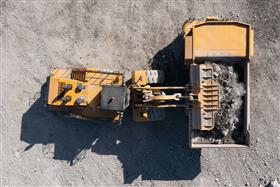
156,151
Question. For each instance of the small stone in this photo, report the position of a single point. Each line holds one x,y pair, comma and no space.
217,68
216,74
236,120
274,183
247,184
218,141
266,182
118,142
230,68
231,121
217,180
249,169
233,127
225,132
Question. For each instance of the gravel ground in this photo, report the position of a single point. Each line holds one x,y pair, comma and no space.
44,148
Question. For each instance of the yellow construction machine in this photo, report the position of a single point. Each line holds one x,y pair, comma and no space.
102,94
88,92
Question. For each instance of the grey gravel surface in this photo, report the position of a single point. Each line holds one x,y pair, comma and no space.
44,148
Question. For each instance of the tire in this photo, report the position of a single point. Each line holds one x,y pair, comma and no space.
155,76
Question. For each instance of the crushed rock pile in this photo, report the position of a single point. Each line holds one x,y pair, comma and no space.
228,121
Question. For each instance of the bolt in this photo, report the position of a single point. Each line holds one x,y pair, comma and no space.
112,99
80,87
80,99
67,87
66,98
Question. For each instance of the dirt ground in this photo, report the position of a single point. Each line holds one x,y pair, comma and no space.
43,148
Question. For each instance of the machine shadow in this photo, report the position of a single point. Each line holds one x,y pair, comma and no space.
152,151
170,59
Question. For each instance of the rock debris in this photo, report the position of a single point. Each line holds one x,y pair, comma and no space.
229,119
